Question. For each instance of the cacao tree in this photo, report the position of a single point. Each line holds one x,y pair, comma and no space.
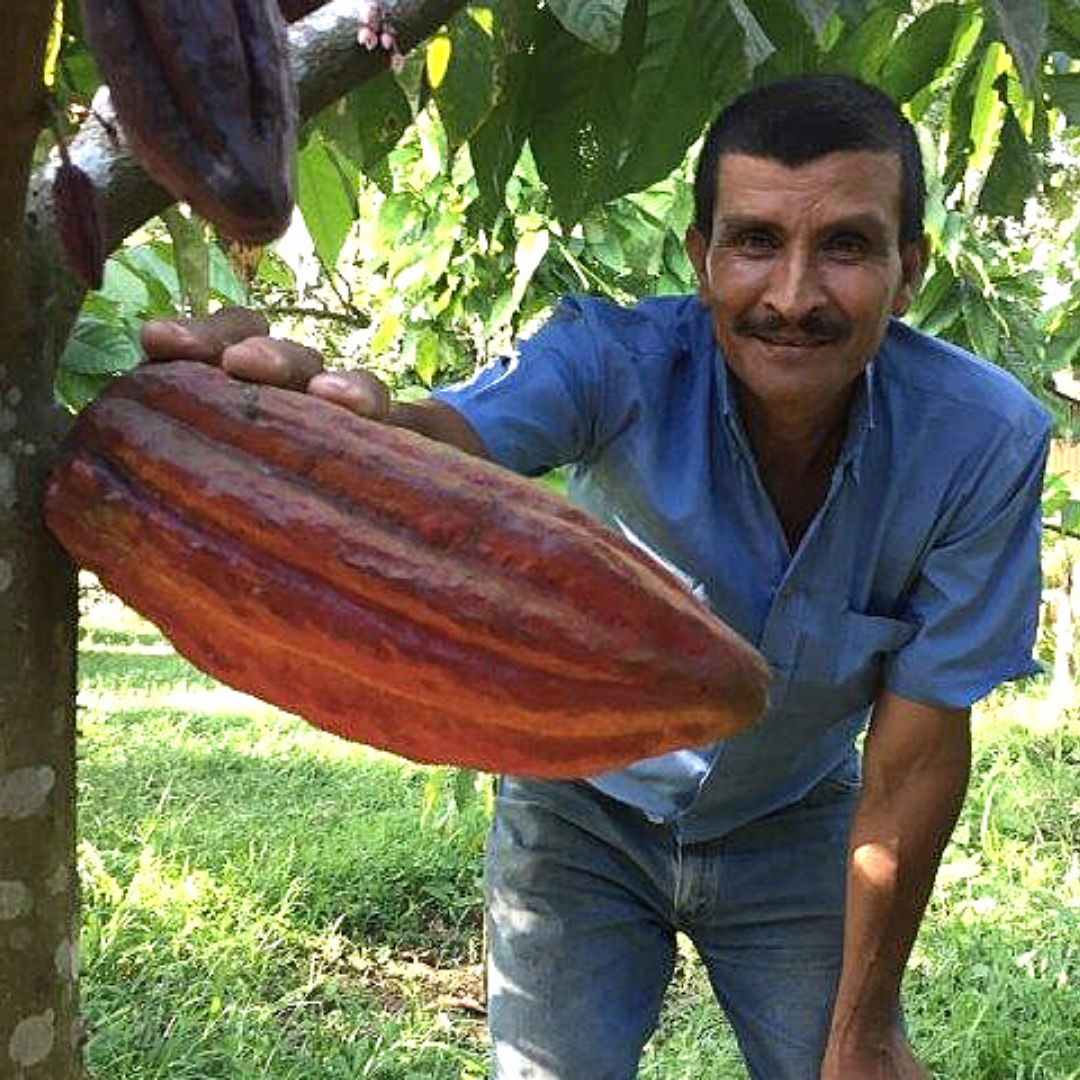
542,116
40,299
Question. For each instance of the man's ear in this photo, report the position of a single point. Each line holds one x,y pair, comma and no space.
697,248
914,258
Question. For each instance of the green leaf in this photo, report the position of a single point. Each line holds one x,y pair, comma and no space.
919,52
159,276
961,110
862,51
1065,23
99,348
367,123
855,11
689,60
1064,93
817,13
326,199
528,255
399,218
420,267
987,108
794,51
982,325
1024,25
667,25
1013,175
932,294
426,354
224,283
495,148
386,333
274,270
467,91
757,47
580,119
125,288
596,22
76,390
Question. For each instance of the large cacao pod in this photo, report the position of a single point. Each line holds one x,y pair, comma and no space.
387,588
206,98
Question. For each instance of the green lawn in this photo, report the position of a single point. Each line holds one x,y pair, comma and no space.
263,901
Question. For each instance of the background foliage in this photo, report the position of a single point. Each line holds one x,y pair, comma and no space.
528,150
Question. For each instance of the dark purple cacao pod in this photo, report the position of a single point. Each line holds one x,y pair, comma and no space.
206,99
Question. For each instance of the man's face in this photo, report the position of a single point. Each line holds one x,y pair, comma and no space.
802,271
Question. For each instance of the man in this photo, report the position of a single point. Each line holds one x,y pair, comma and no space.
859,500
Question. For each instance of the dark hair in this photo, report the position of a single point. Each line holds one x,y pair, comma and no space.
802,118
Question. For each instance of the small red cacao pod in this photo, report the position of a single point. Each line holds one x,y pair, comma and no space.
78,223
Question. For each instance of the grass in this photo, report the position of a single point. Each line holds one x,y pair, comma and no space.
262,900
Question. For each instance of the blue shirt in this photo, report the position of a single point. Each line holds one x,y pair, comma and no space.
919,573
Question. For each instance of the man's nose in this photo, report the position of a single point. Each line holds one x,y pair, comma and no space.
794,286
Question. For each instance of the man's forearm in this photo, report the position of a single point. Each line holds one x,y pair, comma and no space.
437,421
913,789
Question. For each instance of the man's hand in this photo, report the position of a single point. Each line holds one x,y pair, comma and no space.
887,1056
238,341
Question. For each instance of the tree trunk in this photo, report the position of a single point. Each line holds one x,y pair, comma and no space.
40,1037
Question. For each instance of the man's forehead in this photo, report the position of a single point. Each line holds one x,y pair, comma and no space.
848,181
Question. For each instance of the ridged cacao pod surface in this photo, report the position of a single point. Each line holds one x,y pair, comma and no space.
205,96
389,589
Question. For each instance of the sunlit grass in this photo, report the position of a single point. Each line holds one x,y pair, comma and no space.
263,900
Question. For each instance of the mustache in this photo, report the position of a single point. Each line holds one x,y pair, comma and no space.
814,326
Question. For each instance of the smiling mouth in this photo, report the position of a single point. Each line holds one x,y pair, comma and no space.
793,343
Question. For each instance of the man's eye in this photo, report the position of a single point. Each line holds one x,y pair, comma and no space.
754,242
847,245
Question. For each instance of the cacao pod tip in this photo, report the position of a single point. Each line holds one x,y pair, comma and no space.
79,224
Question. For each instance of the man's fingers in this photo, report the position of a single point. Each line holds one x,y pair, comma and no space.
358,391
201,339
273,362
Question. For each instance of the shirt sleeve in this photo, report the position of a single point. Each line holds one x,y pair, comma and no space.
976,599
542,407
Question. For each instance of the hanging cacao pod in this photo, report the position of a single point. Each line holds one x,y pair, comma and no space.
78,223
206,99
387,588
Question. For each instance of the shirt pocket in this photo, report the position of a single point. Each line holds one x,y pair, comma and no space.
840,662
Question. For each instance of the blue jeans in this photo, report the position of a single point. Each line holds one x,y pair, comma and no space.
585,897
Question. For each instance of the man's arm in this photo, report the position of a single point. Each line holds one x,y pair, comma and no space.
916,763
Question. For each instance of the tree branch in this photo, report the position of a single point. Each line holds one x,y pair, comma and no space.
357,320
327,62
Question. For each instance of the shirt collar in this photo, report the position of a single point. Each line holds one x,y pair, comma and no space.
860,417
